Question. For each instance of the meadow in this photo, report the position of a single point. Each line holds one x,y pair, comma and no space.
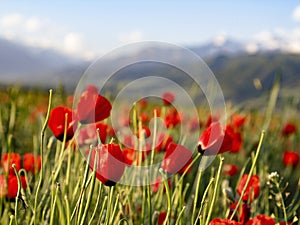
46,177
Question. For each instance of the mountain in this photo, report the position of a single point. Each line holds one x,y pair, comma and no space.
241,75
26,65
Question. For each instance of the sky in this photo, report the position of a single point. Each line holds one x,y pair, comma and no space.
88,29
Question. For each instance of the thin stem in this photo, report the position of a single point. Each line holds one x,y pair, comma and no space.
196,195
54,204
18,193
249,174
41,155
168,216
109,203
215,191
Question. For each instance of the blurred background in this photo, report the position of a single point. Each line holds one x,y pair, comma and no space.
245,44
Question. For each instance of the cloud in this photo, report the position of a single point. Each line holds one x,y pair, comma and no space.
132,36
296,14
11,20
42,33
286,40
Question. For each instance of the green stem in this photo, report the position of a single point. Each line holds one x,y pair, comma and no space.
168,216
180,215
215,191
109,203
282,203
249,174
18,193
54,204
41,155
67,210
203,200
196,196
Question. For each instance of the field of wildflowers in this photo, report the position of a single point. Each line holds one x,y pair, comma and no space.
62,164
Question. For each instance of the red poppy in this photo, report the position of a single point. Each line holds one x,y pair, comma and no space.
218,221
158,182
130,155
168,98
172,118
284,223
13,185
291,158
236,139
88,134
244,212
163,140
215,140
31,162
288,129
10,188
261,220
143,103
110,163
145,130
252,190
8,159
211,119
158,111
57,122
92,107
238,120
144,118
161,218
176,159
230,169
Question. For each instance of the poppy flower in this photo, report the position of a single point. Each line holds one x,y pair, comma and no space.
56,123
8,159
10,188
230,170
31,162
261,220
284,223
144,118
291,158
143,103
88,134
215,140
161,218
244,212
110,163
145,130
92,107
157,183
163,140
13,185
238,120
168,98
288,129
130,155
211,119
252,190
218,221
172,118
177,158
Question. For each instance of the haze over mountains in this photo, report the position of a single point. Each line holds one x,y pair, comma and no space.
234,63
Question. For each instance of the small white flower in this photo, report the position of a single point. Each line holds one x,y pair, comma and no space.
273,175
